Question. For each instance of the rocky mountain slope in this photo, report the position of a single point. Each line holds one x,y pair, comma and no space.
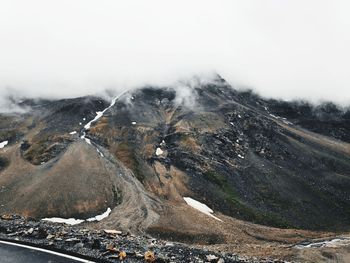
275,163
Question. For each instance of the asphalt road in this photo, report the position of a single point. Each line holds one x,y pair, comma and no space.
15,253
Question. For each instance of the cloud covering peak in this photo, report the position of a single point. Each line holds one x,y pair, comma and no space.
288,49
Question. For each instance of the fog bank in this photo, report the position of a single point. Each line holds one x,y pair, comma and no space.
282,49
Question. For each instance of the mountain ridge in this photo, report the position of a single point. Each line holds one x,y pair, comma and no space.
244,156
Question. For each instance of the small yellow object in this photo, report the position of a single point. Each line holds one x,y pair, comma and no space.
149,256
122,255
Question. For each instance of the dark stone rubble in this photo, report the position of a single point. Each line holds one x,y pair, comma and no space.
99,246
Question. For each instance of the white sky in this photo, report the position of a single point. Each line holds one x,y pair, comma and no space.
289,49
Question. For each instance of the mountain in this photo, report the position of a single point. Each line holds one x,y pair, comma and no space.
269,162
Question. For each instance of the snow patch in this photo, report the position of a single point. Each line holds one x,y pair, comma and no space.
133,123
3,144
73,132
73,221
87,140
287,122
101,154
69,221
159,151
240,156
333,243
100,217
274,116
200,207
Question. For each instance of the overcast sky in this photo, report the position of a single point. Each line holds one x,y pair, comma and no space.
288,49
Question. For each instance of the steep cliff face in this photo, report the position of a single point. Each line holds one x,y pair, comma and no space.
275,163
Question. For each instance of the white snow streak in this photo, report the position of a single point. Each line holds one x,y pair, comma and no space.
101,154
100,217
73,221
68,221
73,132
3,144
99,114
287,122
200,207
337,242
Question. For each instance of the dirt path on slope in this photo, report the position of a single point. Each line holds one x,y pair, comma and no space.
138,208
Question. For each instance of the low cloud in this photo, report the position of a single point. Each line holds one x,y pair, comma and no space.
283,49
10,102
